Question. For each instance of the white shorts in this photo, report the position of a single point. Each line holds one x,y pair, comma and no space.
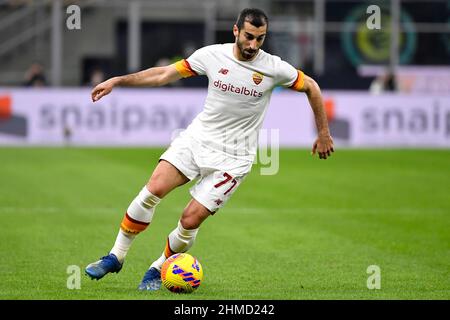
219,175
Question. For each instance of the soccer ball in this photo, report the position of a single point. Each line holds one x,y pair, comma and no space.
181,273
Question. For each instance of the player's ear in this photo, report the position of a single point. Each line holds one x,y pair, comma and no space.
235,31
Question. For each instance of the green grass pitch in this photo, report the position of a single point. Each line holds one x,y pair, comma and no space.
309,232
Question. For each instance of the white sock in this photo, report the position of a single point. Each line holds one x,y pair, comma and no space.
179,240
159,262
122,245
142,207
138,217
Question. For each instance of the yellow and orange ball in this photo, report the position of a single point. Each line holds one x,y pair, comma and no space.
181,273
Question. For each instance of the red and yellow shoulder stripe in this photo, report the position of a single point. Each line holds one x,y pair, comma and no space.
299,82
184,69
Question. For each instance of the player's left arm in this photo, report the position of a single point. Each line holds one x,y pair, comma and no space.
324,143
152,77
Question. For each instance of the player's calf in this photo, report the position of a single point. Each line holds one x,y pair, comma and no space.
137,218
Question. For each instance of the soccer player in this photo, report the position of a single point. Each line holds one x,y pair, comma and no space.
219,146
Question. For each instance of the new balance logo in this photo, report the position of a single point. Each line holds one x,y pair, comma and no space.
223,71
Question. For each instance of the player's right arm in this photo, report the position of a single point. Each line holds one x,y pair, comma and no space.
296,80
152,77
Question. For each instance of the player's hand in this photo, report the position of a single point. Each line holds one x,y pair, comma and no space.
323,146
103,89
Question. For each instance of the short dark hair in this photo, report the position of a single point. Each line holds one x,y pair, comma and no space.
254,16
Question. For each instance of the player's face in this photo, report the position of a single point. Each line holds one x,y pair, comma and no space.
249,39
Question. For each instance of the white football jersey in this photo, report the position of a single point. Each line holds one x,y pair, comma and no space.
238,96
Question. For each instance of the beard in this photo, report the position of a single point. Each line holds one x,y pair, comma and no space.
247,54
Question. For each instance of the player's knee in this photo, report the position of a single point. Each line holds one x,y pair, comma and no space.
189,220
189,223
156,187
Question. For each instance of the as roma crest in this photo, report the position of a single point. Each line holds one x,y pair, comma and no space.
257,77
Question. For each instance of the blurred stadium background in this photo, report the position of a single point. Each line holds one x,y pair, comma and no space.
382,198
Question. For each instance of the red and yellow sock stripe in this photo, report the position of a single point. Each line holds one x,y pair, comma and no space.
132,226
167,251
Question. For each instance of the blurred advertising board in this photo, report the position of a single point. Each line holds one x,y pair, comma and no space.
152,117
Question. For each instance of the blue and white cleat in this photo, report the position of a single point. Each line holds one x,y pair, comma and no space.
105,265
151,280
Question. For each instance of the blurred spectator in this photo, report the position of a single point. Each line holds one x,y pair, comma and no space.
97,76
35,77
189,48
386,82
163,62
